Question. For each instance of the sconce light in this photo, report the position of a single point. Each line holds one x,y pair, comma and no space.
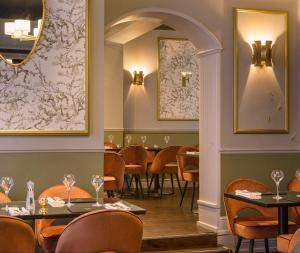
185,77
262,54
138,78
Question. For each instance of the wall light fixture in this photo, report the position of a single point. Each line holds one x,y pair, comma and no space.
262,54
138,78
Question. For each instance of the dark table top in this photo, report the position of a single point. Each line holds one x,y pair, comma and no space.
81,206
156,150
267,200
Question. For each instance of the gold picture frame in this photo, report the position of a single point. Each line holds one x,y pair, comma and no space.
261,103
82,89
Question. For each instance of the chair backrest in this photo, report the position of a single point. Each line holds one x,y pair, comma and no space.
104,231
16,236
184,161
294,185
163,157
135,154
58,191
114,165
4,198
233,207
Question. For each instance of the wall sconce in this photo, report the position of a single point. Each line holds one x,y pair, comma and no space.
185,78
262,54
138,78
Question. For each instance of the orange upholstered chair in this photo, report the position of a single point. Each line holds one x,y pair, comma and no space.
150,158
46,234
135,157
114,167
108,145
262,226
165,163
4,198
16,236
104,231
188,170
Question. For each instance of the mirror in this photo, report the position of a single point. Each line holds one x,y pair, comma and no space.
21,24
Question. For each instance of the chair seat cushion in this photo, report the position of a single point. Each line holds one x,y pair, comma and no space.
283,242
134,169
110,184
191,176
109,179
170,168
258,227
49,236
52,231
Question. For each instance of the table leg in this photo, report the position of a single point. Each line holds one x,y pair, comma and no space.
283,220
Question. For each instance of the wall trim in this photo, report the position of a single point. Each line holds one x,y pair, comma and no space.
53,151
207,203
114,129
159,130
258,151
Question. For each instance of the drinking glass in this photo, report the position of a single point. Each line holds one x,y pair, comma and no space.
167,139
277,176
97,181
110,138
69,181
6,184
297,174
128,139
143,139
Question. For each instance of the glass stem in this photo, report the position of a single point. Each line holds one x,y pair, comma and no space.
97,193
69,198
277,189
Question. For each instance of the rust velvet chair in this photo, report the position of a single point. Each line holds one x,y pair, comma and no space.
135,157
165,163
114,168
4,198
262,226
104,231
188,170
16,236
47,235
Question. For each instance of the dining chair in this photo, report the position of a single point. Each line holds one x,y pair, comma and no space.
150,158
188,171
4,198
16,236
46,233
108,145
114,168
264,225
165,163
135,157
104,231
289,243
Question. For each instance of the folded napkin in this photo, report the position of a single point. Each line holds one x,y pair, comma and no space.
56,201
14,211
116,206
192,152
248,194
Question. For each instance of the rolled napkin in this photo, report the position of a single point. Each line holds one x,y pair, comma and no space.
248,194
55,202
14,211
116,206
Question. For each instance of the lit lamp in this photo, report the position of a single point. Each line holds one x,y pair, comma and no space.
138,78
20,29
262,54
185,77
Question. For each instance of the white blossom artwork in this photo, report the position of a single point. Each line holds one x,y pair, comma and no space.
178,80
48,94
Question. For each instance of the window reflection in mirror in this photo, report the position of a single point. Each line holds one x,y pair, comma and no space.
21,23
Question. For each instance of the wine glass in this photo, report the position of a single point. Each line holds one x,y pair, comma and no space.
143,139
69,181
277,176
97,181
167,139
110,138
297,174
128,139
6,184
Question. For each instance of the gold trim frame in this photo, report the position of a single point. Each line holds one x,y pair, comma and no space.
159,80
236,104
85,131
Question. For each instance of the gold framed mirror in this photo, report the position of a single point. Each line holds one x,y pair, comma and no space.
21,26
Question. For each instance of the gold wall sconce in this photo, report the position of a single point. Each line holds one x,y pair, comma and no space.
138,78
262,54
185,77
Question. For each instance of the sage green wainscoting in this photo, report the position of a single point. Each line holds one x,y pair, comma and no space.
47,169
117,134
258,166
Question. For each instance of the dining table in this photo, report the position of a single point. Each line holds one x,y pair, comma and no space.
289,199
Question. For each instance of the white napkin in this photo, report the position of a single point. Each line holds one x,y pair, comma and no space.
13,211
248,194
55,202
116,206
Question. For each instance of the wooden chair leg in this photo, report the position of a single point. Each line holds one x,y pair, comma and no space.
178,182
193,195
162,184
147,179
127,183
251,246
140,184
151,181
266,245
238,244
172,183
184,190
136,186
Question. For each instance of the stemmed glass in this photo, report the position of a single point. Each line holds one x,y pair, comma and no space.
97,181
128,139
277,176
143,139
69,181
6,184
297,174
110,138
167,139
